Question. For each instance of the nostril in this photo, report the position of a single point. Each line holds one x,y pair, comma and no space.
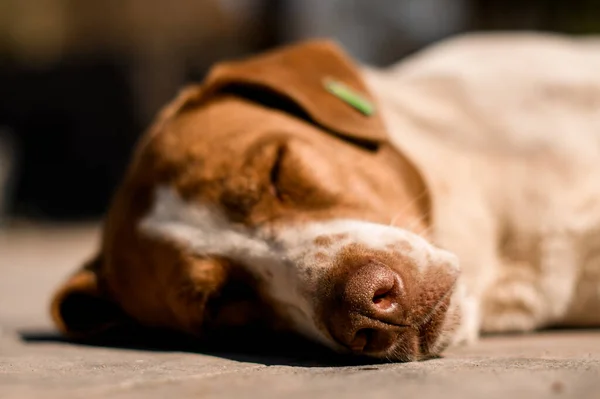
373,340
383,300
374,291
360,340
385,297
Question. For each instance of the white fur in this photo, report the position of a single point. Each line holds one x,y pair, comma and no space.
506,130
280,258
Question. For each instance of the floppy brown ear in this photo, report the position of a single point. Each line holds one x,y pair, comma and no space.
80,309
297,75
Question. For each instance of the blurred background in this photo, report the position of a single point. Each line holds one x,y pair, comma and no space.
80,80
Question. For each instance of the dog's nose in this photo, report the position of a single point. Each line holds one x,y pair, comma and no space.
368,315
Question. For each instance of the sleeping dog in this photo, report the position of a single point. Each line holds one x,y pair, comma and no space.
381,212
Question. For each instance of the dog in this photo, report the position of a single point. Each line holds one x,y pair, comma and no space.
387,212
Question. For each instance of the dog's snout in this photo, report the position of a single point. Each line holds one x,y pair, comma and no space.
368,316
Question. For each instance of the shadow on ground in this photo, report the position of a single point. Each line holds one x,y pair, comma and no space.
242,346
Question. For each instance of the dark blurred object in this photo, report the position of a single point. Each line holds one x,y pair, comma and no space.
80,79
75,125
8,153
381,32
377,32
574,17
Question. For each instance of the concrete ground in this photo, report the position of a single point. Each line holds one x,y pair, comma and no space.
35,362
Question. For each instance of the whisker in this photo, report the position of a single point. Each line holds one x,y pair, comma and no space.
415,222
426,231
406,206
440,308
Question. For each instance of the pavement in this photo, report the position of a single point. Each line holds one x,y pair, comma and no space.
35,362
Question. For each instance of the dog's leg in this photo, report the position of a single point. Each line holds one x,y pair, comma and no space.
527,296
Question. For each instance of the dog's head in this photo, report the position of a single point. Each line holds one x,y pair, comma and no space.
259,198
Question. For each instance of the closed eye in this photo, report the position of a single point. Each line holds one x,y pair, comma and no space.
275,174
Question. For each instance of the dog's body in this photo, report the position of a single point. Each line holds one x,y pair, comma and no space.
507,130
261,198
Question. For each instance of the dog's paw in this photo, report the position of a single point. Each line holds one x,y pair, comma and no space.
514,304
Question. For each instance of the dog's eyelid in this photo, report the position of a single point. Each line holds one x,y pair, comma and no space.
275,172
